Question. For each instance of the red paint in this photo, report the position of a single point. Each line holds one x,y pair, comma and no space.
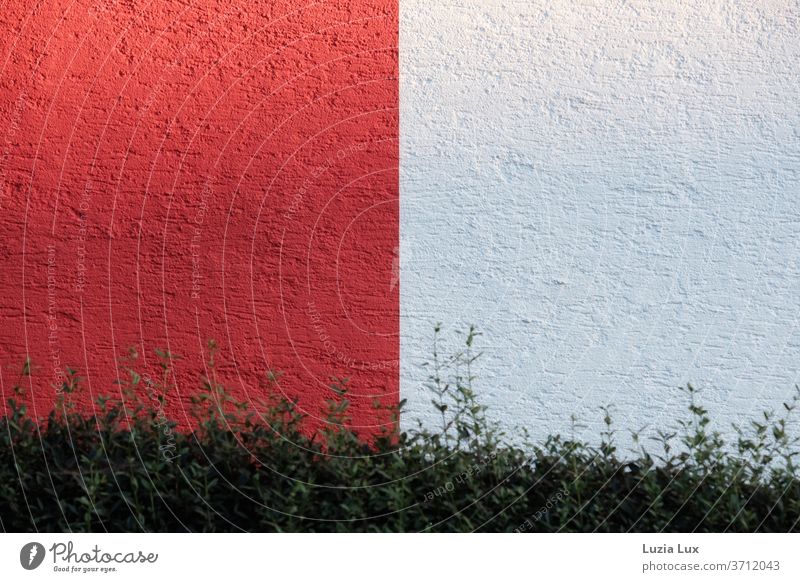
196,170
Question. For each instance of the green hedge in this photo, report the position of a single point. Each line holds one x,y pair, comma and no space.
125,468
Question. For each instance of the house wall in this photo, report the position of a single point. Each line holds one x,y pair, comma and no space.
609,191
606,189
174,172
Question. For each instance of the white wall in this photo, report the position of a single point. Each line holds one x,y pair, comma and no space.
610,191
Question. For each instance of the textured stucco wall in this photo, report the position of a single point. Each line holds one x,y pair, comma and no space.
609,190
179,171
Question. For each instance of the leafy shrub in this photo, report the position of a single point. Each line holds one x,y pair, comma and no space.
127,468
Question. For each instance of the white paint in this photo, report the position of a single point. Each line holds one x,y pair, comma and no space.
609,190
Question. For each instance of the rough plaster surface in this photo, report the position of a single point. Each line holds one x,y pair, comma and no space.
179,171
609,190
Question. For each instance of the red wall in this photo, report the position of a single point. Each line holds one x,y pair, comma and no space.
172,172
